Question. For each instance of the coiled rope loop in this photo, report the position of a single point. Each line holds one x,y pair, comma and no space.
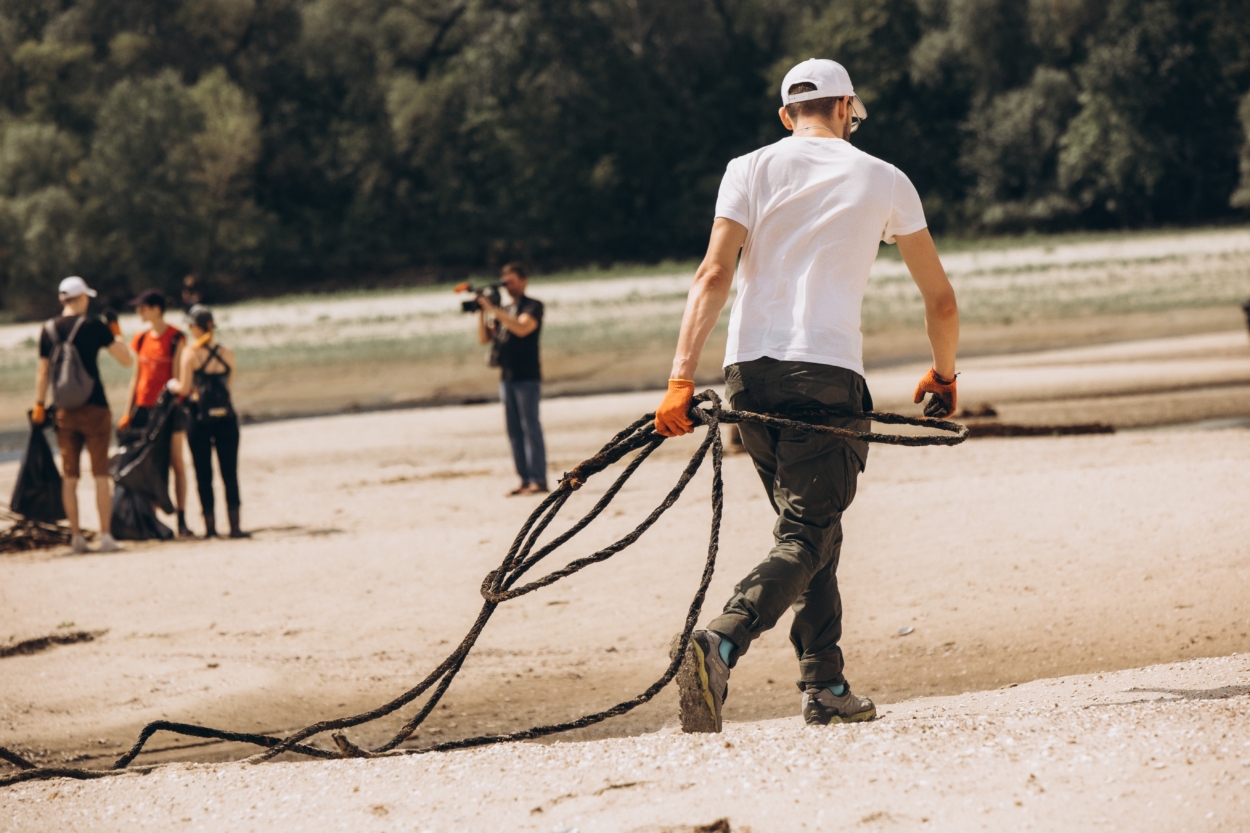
501,585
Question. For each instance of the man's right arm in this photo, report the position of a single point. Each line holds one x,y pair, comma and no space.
708,294
707,298
484,330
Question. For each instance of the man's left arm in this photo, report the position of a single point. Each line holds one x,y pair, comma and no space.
118,350
941,321
519,325
39,412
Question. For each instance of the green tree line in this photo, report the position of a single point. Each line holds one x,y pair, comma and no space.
271,144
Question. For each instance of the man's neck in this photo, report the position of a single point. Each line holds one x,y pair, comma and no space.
815,128
158,326
69,312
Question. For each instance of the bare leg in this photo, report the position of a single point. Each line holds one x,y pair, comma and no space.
179,464
69,497
104,502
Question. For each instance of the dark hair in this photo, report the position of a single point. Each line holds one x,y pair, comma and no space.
820,107
201,316
515,268
150,298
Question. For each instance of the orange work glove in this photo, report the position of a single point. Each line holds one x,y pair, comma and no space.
110,318
38,414
942,403
123,422
672,418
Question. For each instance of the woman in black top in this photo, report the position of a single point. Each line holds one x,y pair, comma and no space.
204,376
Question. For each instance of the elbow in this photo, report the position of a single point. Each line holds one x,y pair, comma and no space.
713,278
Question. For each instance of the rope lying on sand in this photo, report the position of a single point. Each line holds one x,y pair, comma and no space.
500,585
24,535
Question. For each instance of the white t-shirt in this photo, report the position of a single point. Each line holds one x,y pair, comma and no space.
815,211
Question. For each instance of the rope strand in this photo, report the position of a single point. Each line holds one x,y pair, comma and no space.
500,586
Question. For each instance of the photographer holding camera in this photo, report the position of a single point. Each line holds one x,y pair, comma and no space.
514,331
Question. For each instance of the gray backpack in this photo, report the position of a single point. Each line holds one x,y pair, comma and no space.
70,382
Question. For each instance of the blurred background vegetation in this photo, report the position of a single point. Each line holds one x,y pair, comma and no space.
271,145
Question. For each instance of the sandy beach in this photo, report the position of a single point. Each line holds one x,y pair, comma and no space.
1038,563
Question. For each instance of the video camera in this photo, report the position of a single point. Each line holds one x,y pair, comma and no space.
490,292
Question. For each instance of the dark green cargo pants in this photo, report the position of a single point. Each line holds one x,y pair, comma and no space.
810,479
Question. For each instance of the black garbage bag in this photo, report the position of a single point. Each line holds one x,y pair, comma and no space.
141,463
134,519
37,493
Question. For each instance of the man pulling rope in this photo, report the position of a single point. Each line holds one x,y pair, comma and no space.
808,214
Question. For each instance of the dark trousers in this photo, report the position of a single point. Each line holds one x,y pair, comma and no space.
810,479
202,437
520,407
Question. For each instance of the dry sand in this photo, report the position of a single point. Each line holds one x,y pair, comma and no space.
1159,748
1013,560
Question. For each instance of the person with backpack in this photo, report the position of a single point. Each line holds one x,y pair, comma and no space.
205,374
158,350
68,348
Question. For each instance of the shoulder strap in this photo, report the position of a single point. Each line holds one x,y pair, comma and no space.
174,341
212,354
49,327
143,337
77,325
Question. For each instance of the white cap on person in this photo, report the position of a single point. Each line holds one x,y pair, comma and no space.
831,81
74,286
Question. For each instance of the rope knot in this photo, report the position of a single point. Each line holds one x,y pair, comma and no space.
706,416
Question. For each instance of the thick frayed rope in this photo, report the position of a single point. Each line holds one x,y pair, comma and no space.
500,585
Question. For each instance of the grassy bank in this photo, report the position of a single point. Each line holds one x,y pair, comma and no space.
615,328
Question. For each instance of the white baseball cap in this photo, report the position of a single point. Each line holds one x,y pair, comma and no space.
831,80
74,286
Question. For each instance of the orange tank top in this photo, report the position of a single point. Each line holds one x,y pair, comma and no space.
156,363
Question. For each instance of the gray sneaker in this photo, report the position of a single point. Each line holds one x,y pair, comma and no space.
702,682
79,545
109,544
822,708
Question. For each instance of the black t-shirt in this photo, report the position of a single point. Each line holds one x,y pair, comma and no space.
518,357
93,335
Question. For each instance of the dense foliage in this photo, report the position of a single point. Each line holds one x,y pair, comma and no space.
270,143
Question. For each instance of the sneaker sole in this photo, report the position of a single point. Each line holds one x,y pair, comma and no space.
696,706
862,717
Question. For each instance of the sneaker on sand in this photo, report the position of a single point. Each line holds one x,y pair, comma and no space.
822,708
79,545
702,682
109,544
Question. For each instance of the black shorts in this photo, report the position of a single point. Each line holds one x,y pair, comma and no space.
140,415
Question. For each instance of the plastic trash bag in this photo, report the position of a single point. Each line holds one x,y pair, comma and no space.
37,493
134,519
141,463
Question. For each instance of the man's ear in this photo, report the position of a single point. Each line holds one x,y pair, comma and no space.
785,119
